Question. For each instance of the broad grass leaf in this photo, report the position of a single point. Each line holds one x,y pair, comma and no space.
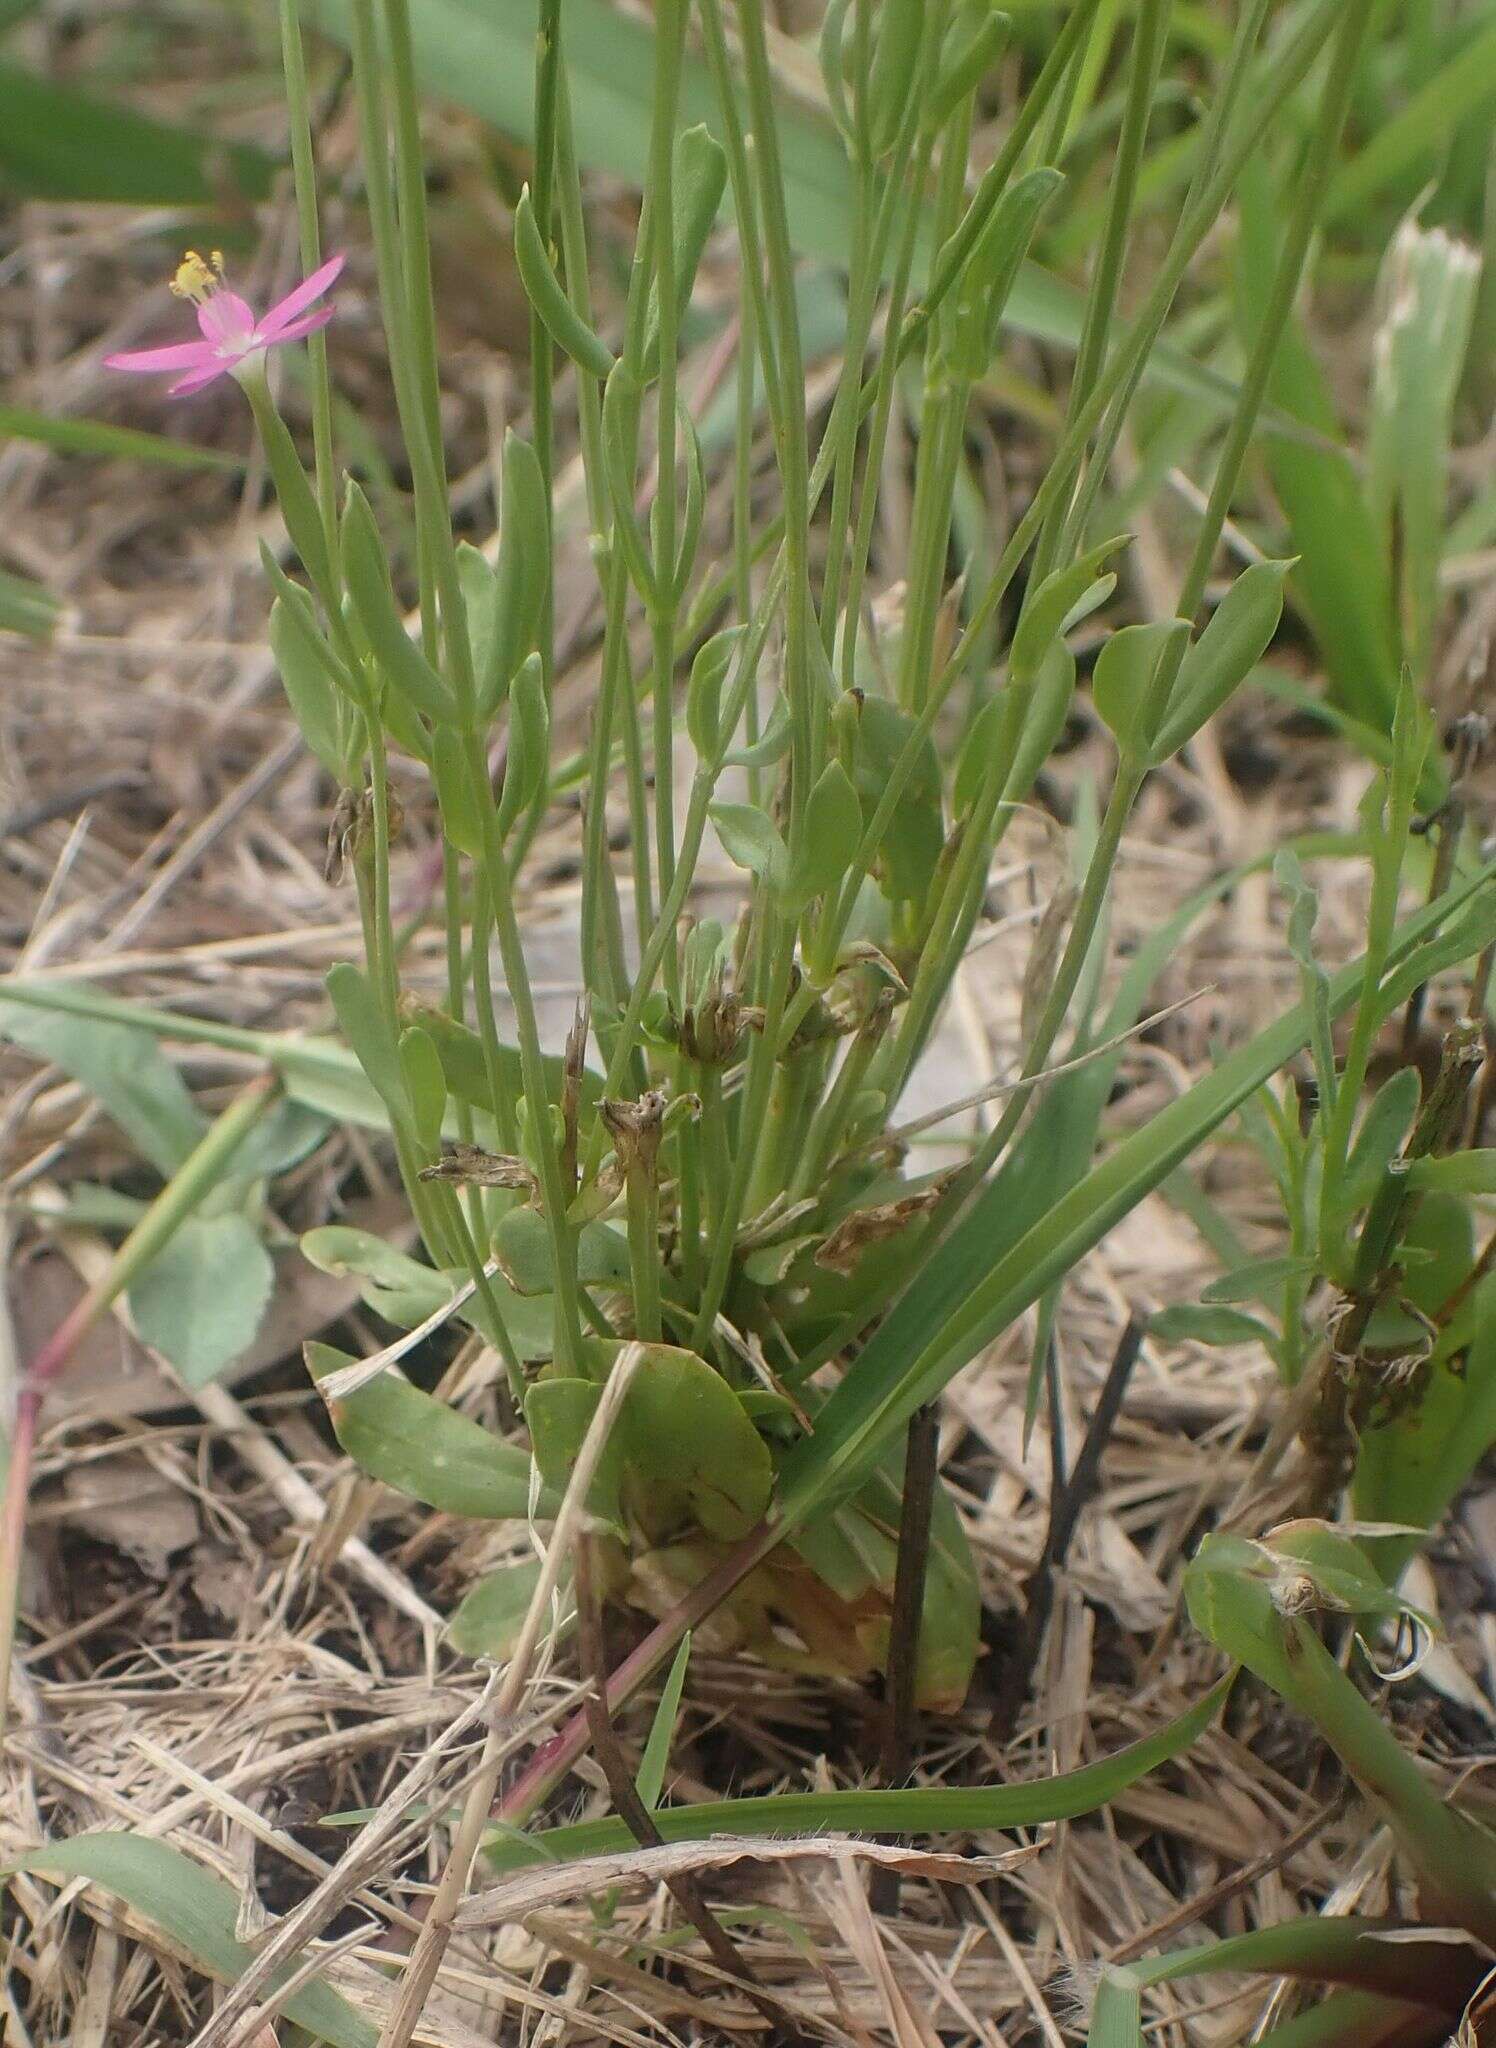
58,142
916,1810
135,1082
1341,583
1428,1974
70,435
1117,2012
1418,134
1428,290
201,1299
196,1913
1207,1325
27,607
1409,1469
1234,1598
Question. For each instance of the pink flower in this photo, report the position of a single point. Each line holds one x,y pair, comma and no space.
232,337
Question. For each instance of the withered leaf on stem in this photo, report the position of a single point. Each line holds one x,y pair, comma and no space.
471,1166
864,1227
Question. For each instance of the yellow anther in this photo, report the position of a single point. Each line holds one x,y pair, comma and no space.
196,279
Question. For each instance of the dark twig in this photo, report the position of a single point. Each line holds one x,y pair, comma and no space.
1067,1497
896,1758
1191,1910
1064,1513
683,1887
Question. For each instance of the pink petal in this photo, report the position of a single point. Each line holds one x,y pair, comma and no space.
181,355
226,320
307,324
218,367
280,315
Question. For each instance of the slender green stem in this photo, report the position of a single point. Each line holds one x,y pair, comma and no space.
517,977
808,734
1149,36
762,1060
669,39
433,519
304,174
1130,354
550,90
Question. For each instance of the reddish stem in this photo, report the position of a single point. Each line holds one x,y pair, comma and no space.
37,1378
555,1758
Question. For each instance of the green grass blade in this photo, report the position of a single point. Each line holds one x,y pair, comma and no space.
919,1810
196,1911
59,143
652,1765
100,437
1342,582
1415,137
981,1279
27,607
1357,2019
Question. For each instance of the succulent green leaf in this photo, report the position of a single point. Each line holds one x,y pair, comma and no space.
462,820
1123,679
522,574
1049,609
752,840
423,1448
307,674
488,1618
546,293
373,598
1225,654
528,765
832,828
